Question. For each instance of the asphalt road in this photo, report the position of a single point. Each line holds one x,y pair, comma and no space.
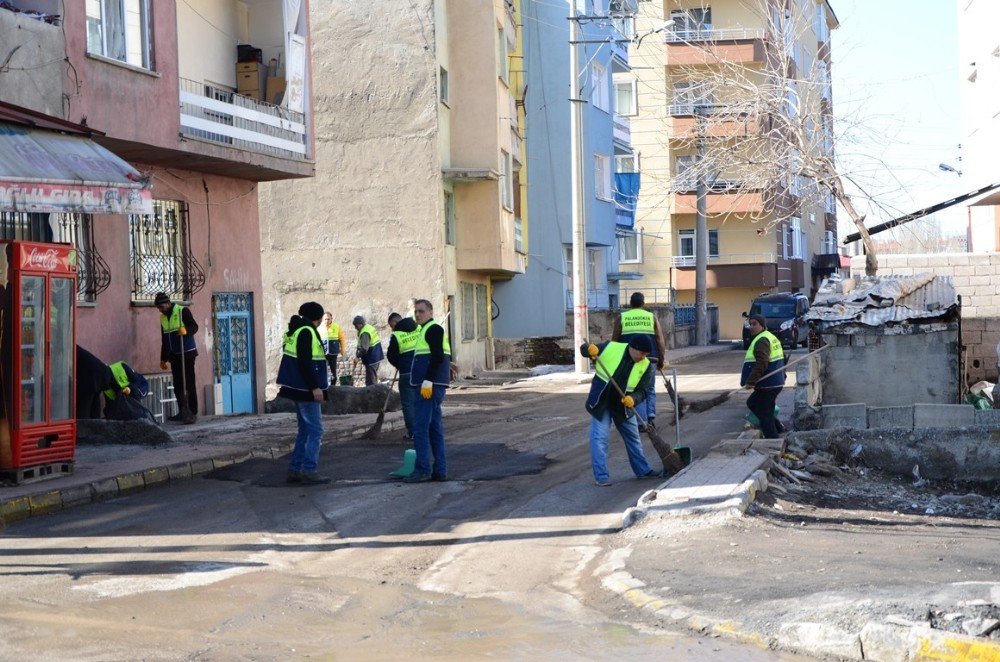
501,561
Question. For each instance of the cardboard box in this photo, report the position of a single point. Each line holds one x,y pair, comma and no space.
275,89
246,67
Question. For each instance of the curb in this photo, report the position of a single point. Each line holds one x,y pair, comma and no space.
875,641
46,502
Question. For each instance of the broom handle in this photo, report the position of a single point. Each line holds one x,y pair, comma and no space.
793,362
385,405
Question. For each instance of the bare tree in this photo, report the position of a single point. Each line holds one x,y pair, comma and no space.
765,129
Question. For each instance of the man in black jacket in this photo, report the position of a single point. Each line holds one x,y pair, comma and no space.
304,378
178,351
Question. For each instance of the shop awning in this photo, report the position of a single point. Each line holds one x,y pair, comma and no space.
45,171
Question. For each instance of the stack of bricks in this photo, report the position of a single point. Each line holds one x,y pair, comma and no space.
529,352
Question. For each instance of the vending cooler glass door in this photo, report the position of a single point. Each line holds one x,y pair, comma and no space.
62,350
32,376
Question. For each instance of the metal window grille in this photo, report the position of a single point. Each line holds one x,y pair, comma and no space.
481,307
160,251
92,272
468,303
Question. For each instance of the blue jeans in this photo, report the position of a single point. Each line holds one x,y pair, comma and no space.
407,400
629,430
647,408
305,455
428,433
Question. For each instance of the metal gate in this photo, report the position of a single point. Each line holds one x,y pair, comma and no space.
234,350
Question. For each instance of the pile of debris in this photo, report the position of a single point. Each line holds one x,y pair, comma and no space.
808,476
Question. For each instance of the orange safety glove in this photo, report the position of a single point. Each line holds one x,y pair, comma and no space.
126,390
182,331
593,350
426,389
164,365
628,402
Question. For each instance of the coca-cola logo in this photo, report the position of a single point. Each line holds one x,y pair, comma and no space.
42,259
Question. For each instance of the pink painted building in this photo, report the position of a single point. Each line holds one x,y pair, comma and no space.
164,86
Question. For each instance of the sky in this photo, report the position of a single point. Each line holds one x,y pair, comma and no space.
896,105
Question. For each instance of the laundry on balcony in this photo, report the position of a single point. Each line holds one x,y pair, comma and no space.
626,195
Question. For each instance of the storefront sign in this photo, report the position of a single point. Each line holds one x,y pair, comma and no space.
55,198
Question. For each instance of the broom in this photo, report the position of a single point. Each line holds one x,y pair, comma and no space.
672,461
374,431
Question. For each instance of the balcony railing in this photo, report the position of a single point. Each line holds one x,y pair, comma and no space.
224,117
622,129
708,33
689,184
730,258
694,108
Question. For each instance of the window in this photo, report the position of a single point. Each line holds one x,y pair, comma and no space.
685,173
602,176
626,163
449,218
443,82
794,230
120,30
503,66
160,252
506,181
482,305
687,243
599,93
829,242
467,301
630,247
625,97
595,275
691,23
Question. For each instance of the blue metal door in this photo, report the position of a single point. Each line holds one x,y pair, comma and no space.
234,350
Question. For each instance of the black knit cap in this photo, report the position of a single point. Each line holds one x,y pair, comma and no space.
161,298
311,311
760,319
641,343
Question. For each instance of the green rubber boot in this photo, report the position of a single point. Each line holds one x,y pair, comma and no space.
409,459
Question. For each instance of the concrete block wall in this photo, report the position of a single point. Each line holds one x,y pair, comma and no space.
975,277
859,416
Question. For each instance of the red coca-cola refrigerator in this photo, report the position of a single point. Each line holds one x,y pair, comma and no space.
37,360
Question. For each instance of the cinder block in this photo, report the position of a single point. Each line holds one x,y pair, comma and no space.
988,417
801,396
966,271
853,416
890,417
943,416
803,373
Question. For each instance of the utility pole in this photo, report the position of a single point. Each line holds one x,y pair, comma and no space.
701,237
580,320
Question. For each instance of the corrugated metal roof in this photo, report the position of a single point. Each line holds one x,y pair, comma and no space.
34,155
885,300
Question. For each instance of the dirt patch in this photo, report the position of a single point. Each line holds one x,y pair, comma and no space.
346,400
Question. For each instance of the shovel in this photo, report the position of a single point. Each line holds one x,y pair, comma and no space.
672,461
187,417
374,431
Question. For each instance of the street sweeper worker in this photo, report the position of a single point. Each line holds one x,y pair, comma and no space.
627,365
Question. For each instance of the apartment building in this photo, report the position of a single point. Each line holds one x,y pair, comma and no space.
536,303
160,93
704,71
416,187
979,67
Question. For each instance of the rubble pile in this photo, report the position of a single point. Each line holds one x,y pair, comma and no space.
814,477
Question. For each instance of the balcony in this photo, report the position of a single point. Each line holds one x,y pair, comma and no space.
622,129
680,127
226,118
754,270
722,198
708,46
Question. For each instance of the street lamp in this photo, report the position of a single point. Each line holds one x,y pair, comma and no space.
947,168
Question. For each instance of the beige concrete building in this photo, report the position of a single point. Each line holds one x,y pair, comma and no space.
417,153
765,235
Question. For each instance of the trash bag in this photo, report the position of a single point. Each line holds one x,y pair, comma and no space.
127,408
